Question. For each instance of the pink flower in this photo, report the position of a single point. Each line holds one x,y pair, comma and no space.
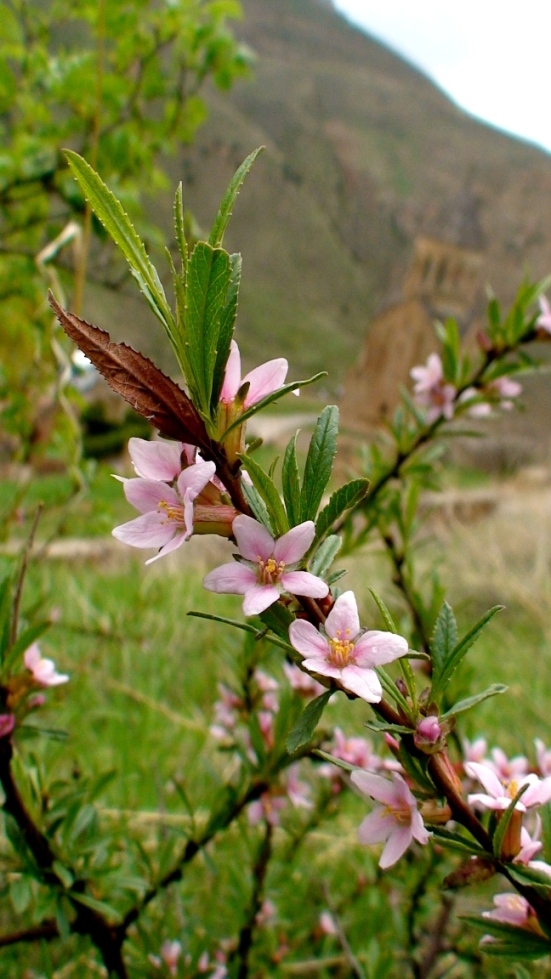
397,821
475,750
344,652
498,392
510,909
355,751
262,381
161,460
166,519
544,319
428,732
500,795
268,567
431,391
43,670
543,755
327,923
529,845
302,682
507,768
266,915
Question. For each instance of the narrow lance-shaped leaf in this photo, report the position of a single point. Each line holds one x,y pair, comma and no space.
290,482
227,325
150,392
460,650
270,399
463,705
504,820
307,722
269,493
319,461
443,642
179,226
217,234
119,226
325,555
343,499
208,279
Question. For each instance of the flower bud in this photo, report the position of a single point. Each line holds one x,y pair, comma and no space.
429,735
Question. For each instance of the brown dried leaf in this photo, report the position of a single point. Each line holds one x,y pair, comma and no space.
474,871
136,378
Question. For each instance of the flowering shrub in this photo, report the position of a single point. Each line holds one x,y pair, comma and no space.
202,477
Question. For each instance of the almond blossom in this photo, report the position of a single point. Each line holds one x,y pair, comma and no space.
43,669
344,652
498,392
302,682
268,568
431,390
511,909
499,795
262,381
166,512
397,821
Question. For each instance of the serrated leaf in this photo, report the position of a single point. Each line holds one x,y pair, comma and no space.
208,279
150,392
257,505
304,728
459,652
219,227
290,482
462,705
227,325
343,499
325,555
443,642
119,226
269,493
319,461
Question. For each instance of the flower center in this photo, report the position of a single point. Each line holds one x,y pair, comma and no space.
270,571
512,788
342,651
173,512
402,814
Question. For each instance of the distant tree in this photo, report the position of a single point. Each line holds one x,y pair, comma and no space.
120,82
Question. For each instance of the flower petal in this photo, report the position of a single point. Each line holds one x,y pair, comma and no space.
377,826
397,844
316,664
151,529
293,545
172,545
259,598
253,540
265,379
343,619
230,579
232,376
195,478
364,683
304,583
147,494
486,777
307,640
378,788
376,648
156,460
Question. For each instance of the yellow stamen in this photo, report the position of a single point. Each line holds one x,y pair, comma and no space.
270,571
342,651
173,512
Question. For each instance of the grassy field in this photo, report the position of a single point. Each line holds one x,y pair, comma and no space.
139,704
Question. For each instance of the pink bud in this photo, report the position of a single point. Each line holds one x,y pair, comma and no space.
428,734
7,724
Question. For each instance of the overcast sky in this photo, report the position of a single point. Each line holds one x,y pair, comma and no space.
490,56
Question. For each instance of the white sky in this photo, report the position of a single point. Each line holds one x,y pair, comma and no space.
490,56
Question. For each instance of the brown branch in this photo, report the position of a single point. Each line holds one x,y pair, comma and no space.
44,932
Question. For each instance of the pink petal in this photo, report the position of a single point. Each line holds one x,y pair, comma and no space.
539,792
377,648
32,656
156,460
230,579
364,683
315,664
490,802
265,379
147,494
343,617
293,545
378,788
307,639
259,598
486,777
377,826
149,530
172,545
195,478
418,828
398,842
304,583
253,540
232,376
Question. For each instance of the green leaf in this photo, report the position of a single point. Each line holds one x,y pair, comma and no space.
456,841
246,627
269,493
391,689
257,505
511,942
20,893
505,819
270,399
227,325
382,726
343,499
6,584
63,874
325,555
209,277
278,618
385,614
290,481
462,705
100,906
443,642
307,722
219,227
529,875
179,225
26,639
460,650
119,226
319,461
